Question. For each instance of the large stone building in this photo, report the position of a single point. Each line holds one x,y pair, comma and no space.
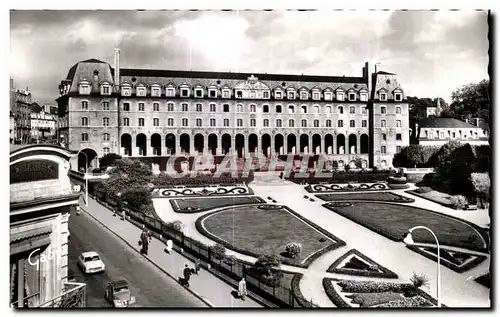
21,101
140,112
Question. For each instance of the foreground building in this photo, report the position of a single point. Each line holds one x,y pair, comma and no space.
139,112
41,200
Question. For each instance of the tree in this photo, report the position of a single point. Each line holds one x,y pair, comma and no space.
265,264
481,183
442,158
469,99
108,160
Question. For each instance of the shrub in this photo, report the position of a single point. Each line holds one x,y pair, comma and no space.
230,260
266,264
293,249
416,301
419,280
458,202
369,286
481,183
396,180
218,251
423,190
176,225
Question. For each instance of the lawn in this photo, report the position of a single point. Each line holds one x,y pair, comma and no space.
376,196
434,196
191,205
393,221
255,231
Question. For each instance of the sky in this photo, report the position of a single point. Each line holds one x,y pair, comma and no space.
433,52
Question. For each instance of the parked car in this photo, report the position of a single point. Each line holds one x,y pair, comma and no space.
118,294
90,262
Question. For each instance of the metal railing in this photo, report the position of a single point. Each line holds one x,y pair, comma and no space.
73,296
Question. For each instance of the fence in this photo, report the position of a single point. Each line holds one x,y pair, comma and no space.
235,270
73,297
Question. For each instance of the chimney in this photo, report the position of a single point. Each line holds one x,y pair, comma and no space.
117,69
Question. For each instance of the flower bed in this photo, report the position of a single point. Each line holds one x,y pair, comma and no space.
377,196
360,265
194,205
315,188
344,177
448,260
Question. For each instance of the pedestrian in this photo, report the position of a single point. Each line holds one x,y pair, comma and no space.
170,246
197,266
242,289
187,275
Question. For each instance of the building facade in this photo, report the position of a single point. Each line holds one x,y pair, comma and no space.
12,127
43,125
41,200
439,131
141,112
20,105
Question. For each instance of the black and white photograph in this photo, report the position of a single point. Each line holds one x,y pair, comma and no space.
257,158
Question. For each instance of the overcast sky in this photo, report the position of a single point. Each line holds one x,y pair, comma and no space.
433,53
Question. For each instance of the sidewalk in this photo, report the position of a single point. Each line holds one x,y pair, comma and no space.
208,287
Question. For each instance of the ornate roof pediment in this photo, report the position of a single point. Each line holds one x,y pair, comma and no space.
382,90
251,84
397,90
328,89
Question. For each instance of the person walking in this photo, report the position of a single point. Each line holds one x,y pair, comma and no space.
187,275
170,246
197,266
242,289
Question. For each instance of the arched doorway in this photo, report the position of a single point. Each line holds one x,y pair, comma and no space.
239,144
353,144
340,144
329,144
141,142
185,143
212,144
304,144
253,142
126,143
316,143
198,142
365,146
279,144
156,144
266,145
226,143
87,160
170,144
291,142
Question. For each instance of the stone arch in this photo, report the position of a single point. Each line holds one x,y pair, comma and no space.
126,144
87,159
156,144
225,143
212,143
316,144
266,145
141,143
239,143
253,143
170,143
199,139
184,141
364,144
304,143
329,144
291,143
353,144
279,144
341,144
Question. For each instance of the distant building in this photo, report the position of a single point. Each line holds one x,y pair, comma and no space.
439,131
51,109
12,126
43,125
21,101
41,200
435,111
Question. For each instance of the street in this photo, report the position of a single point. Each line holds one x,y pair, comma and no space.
150,286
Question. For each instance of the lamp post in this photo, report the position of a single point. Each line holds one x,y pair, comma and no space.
409,240
86,179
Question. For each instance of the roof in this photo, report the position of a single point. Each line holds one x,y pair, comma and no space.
385,73
445,123
119,283
90,253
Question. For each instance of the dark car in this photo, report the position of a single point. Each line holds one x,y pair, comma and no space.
118,294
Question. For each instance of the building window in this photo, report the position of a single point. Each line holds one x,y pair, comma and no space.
105,90
398,137
398,96
212,122
316,109
184,92
239,122
239,94
198,93
383,149
239,108
156,92
328,123
126,106
290,95
398,110
141,106
226,93
85,105
291,109
126,122
303,123
199,122
382,123
279,123
105,151
105,105
199,107
156,106
398,149
141,122
352,110
328,109
364,124
170,92
340,96
384,137
328,95
105,137
341,109
105,122
340,124
316,95
252,94
303,109
278,94
304,95
156,122
364,110
141,91
252,108
352,123
291,123
252,122
184,122
226,122
170,107
265,108
278,109
212,93
265,94
316,123
441,135
170,122
266,123
398,123
126,91
352,96
213,107
431,135
453,135
363,96
226,108
85,121
84,89
85,137
383,110
184,107
383,96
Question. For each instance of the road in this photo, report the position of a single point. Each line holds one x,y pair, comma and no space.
150,286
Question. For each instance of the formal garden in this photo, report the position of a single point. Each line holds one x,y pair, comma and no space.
377,196
356,263
192,205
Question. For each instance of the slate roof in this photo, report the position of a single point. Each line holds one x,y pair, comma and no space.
445,123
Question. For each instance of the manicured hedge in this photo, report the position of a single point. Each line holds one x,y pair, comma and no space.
345,177
165,181
451,266
333,295
398,186
297,293
386,273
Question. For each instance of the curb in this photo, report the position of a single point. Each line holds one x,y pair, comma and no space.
203,299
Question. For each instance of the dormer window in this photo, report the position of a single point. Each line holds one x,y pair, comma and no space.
141,91
340,95
106,89
185,92
155,91
84,88
278,94
266,95
212,92
170,92
383,96
328,95
352,96
290,95
198,92
226,93
398,96
316,95
239,94
363,96
304,95
126,90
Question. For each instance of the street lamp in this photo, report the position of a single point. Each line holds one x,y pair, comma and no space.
409,240
85,176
